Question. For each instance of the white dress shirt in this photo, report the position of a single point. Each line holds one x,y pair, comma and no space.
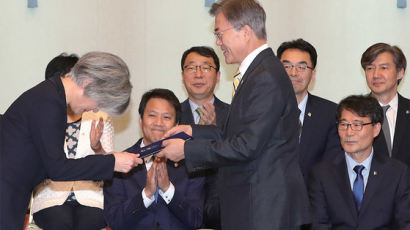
391,115
167,195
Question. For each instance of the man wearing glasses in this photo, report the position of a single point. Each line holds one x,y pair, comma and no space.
363,188
318,135
200,74
384,66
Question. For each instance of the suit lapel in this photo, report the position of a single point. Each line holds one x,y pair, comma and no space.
403,117
307,125
186,116
218,110
245,77
342,180
373,182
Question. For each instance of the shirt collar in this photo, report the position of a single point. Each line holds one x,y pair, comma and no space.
352,163
194,106
394,103
302,108
249,59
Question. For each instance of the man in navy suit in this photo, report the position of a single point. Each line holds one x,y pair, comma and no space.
260,184
363,188
200,74
384,66
158,194
318,137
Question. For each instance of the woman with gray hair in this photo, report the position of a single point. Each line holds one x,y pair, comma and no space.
31,146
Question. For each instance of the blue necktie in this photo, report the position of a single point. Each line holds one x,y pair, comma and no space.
358,186
156,195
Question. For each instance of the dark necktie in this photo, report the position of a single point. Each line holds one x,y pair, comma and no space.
299,126
386,129
358,186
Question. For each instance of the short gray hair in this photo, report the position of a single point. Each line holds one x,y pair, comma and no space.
242,12
110,86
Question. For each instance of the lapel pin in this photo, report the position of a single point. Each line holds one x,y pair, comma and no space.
176,164
309,114
407,111
375,173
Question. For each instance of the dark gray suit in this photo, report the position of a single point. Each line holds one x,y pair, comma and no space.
385,202
259,180
401,141
319,139
211,208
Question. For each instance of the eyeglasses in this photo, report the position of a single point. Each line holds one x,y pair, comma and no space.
356,126
301,67
193,68
219,34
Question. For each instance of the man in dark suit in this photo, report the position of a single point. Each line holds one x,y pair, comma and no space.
33,129
318,137
158,194
200,74
384,66
363,188
259,180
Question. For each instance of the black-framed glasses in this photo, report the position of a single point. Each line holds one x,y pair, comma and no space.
300,67
355,126
205,68
219,34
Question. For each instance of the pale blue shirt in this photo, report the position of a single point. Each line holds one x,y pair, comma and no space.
350,163
302,108
194,106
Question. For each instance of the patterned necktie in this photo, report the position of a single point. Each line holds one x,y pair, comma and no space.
358,186
199,112
236,80
386,128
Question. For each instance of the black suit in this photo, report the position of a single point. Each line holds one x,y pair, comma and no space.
32,149
211,208
401,141
385,202
319,138
259,180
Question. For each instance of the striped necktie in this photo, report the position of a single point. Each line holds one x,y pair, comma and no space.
236,80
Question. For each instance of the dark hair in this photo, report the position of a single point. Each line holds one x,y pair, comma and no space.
363,106
61,65
203,51
242,12
165,94
299,44
375,50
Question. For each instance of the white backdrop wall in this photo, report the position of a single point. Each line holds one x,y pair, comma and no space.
151,35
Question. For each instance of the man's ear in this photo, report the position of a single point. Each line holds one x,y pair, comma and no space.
86,82
376,129
400,74
313,79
